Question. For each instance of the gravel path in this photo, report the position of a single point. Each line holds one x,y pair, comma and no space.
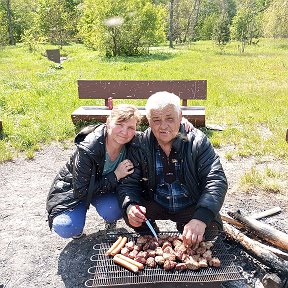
32,256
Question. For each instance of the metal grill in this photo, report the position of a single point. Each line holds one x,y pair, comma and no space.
106,273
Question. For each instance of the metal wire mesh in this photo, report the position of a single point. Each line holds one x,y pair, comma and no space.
106,273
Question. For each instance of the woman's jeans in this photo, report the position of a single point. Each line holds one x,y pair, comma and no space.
71,222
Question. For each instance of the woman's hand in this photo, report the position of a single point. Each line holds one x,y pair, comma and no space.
187,125
123,169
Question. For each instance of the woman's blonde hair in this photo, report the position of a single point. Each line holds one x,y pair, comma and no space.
124,112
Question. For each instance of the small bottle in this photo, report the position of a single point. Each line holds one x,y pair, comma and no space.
110,103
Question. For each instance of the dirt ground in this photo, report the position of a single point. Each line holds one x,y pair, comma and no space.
32,256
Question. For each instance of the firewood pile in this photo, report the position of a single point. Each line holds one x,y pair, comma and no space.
262,241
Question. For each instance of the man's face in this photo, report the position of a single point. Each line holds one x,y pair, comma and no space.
165,124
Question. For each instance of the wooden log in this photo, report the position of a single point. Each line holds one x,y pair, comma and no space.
263,231
274,250
239,225
266,213
263,255
259,215
232,221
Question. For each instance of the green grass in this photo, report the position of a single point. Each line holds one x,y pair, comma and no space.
267,180
247,93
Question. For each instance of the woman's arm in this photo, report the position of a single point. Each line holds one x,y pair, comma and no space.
82,174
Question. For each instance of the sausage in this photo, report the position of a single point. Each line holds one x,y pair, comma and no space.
138,264
118,247
115,244
125,264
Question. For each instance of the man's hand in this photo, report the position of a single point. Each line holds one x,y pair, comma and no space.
135,217
193,232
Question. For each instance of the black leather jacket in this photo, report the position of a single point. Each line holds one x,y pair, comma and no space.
201,170
83,170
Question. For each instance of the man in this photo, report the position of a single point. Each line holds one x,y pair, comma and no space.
177,176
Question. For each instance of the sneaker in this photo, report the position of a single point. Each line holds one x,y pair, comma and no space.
110,226
78,236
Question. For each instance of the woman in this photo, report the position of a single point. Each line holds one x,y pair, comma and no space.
92,173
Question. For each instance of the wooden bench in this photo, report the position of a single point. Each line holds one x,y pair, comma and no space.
53,55
134,90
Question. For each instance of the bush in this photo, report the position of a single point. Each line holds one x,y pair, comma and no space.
124,28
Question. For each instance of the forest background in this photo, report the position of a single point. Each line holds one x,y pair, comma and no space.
240,47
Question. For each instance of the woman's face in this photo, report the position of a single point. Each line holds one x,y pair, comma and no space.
121,132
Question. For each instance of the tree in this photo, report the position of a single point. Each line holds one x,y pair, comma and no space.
221,31
7,21
194,19
16,16
209,13
213,17
185,19
53,19
171,24
3,30
117,27
245,25
275,20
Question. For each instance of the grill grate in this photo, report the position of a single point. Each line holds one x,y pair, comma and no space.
106,273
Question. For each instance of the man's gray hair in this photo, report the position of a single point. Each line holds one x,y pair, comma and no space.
160,100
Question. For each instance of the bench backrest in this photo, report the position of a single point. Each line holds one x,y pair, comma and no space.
141,89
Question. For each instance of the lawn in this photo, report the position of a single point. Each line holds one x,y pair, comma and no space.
247,93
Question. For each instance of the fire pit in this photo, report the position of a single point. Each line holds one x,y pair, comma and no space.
106,273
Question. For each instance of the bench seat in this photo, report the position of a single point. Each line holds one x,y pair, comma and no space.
195,114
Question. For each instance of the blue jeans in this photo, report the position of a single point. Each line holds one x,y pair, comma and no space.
71,222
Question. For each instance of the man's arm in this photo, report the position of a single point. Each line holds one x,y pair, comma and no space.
130,188
213,185
212,178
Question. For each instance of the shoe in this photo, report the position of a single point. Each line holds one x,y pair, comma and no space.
78,236
110,226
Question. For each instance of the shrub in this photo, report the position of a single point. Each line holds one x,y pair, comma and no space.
124,28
